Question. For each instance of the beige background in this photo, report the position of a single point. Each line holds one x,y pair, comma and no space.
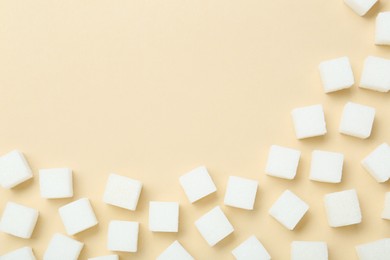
153,89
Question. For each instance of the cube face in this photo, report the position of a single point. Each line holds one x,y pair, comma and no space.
175,251
214,226
123,236
241,193
377,250
122,192
77,216
56,183
14,169
288,209
309,121
375,75
251,249
336,74
282,162
326,166
361,7
163,216
106,257
308,250
63,247
386,208
342,208
24,253
357,120
197,184
377,163
18,220
382,30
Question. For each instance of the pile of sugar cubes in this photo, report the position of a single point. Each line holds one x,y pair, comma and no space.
342,207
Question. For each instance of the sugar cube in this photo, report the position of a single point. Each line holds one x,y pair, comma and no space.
197,184
288,209
251,249
375,75
122,192
24,253
175,252
77,216
336,74
377,250
377,163
309,250
361,7
214,226
357,120
163,216
241,193
18,220
14,169
386,208
123,236
282,162
326,166
309,121
382,30
106,257
342,208
63,247
56,183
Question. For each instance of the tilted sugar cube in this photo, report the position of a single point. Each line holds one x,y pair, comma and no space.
197,184
241,193
342,208
386,208
375,75
214,226
326,166
357,120
336,74
77,216
163,216
24,253
309,250
123,236
282,162
14,169
122,192
251,249
361,7
56,183
18,220
382,30
377,250
175,252
309,121
377,163
63,247
288,209
106,257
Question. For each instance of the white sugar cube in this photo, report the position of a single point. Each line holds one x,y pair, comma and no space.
382,30
214,226
123,236
163,216
63,247
357,120
77,216
175,252
122,192
241,193
342,208
361,7
326,166
375,75
14,169
309,121
24,253
377,250
386,208
18,220
56,183
282,162
197,184
106,257
288,209
309,250
377,163
251,249
336,74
